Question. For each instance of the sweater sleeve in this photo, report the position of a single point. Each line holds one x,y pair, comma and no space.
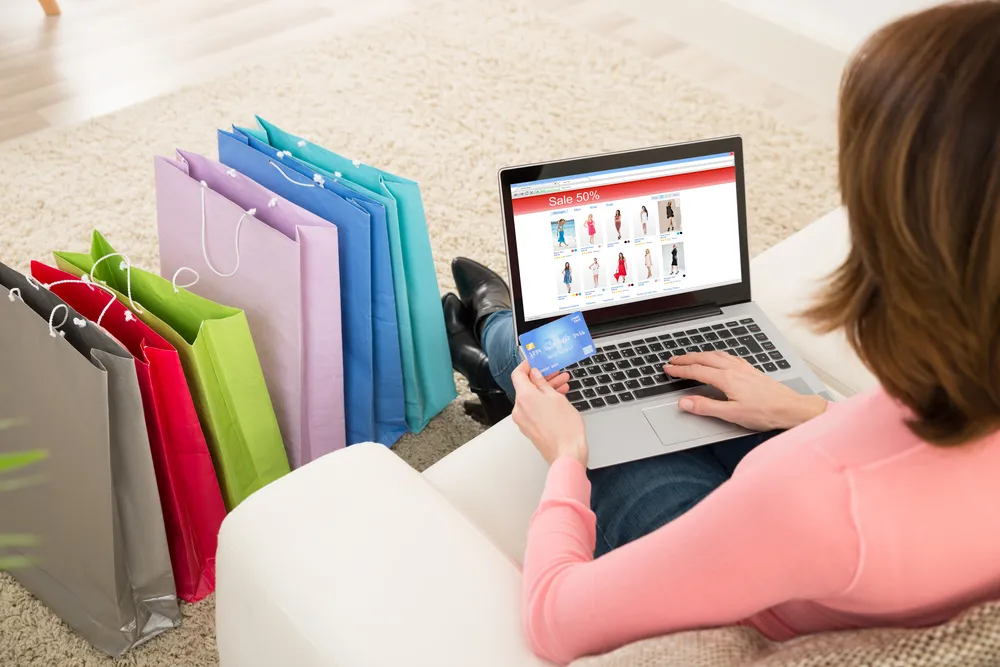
782,530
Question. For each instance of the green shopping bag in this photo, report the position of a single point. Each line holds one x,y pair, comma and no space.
220,362
430,383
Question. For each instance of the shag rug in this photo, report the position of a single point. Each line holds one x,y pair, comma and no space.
446,95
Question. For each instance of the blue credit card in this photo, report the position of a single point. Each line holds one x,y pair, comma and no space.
558,344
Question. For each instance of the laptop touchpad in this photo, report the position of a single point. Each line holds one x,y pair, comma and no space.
672,425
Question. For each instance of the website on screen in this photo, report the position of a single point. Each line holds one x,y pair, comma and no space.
605,238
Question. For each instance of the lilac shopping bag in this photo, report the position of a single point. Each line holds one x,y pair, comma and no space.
279,263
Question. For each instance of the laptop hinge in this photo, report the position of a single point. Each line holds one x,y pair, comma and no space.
651,321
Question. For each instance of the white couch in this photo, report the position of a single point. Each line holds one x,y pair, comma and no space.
357,560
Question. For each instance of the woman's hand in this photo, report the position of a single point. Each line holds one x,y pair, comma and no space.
544,415
756,401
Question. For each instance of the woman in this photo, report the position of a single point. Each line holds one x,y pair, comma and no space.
673,261
567,278
591,228
649,265
561,241
644,218
596,268
880,510
618,224
670,216
622,269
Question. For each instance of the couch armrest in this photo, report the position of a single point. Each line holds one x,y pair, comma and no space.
784,279
355,560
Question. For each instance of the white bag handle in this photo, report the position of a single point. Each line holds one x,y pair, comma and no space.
178,288
204,240
126,265
318,179
55,329
15,292
86,281
52,316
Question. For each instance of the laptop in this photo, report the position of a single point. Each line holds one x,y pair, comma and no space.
651,246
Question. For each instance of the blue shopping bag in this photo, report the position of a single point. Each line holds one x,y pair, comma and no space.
427,372
373,383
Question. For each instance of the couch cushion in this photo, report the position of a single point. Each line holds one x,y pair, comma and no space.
355,559
784,279
496,481
971,639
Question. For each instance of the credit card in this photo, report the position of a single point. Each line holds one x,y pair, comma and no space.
558,344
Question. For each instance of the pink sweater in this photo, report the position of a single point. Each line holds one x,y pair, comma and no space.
846,521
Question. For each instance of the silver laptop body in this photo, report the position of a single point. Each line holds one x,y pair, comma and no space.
685,205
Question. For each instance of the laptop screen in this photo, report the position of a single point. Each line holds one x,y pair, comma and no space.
607,238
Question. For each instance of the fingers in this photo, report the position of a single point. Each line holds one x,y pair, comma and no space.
706,374
559,383
563,389
557,380
708,407
711,359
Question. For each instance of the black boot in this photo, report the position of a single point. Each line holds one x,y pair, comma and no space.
469,359
483,292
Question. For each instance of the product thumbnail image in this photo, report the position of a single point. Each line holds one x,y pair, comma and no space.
650,269
670,215
645,225
595,274
617,227
563,233
590,229
621,272
673,256
568,277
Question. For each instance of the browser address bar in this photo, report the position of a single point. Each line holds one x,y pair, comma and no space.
620,177
655,172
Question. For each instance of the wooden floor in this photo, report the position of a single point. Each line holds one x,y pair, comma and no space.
103,55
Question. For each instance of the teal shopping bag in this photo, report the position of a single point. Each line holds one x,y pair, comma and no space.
428,379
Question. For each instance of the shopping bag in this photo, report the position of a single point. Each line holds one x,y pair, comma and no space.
280,264
427,368
189,491
369,318
220,363
101,561
391,391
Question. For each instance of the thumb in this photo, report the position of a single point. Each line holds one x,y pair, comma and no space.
708,407
520,379
539,380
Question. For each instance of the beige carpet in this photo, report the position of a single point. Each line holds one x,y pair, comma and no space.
445,95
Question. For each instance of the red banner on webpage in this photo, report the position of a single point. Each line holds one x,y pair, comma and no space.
650,186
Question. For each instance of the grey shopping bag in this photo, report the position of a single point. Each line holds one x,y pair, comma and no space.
101,561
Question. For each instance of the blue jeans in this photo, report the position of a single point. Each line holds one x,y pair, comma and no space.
632,499
500,346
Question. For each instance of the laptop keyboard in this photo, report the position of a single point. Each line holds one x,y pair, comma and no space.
623,372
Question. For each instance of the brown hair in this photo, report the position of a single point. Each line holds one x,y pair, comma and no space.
919,293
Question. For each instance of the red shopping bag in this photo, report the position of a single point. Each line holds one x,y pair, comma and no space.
189,489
